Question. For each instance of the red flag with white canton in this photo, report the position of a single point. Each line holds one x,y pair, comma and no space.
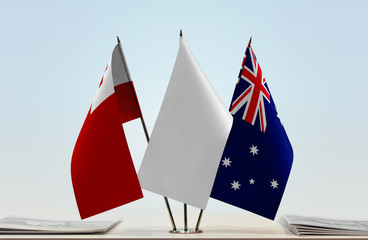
102,169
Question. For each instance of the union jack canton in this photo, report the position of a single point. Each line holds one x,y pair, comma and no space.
255,94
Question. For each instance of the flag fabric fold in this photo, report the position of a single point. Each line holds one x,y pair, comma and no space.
258,156
102,170
188,137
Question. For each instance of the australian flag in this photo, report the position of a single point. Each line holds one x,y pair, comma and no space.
258,156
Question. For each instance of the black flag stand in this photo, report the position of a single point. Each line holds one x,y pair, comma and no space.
145,130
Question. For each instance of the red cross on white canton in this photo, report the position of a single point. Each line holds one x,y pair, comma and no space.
253,96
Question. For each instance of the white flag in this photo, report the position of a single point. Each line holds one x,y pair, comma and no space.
188,138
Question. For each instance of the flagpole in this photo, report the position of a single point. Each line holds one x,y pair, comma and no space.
170,214
185,205
144,128
236,86
185,218
199,220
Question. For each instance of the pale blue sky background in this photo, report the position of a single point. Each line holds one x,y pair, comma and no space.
313,55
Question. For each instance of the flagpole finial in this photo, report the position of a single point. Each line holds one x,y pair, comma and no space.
181,33
118,39
250,41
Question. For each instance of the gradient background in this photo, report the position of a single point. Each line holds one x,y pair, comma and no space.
313,55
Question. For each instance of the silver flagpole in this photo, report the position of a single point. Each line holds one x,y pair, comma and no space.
199,220
185,205
144,128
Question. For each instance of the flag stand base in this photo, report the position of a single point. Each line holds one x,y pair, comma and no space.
182,231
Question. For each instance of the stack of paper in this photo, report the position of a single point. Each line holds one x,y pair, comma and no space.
322,226
42,226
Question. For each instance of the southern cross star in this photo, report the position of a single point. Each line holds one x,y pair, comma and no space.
252,181
235,185
254,150
226,162
274,184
